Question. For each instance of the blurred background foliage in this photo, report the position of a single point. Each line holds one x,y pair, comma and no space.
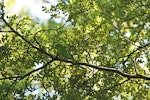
106,33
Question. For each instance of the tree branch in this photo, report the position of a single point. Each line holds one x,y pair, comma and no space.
22,77
35,70
107,69
12,77
27,74
139,48
81,63
5,31
109,88
31,44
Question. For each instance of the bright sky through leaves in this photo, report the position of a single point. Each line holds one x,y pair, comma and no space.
34,7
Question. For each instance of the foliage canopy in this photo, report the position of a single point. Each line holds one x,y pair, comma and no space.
100,51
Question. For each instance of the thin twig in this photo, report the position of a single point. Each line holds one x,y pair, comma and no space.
12,77
26,75
9,89
35,70
31,44
135,65
5,31
109,88
139,48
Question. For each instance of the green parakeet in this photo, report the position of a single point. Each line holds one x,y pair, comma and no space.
63,52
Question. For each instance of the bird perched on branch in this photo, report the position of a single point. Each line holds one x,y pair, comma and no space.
63,52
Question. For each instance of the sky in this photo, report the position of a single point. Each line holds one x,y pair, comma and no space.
34,7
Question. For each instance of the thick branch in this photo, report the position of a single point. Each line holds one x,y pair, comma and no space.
113,70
